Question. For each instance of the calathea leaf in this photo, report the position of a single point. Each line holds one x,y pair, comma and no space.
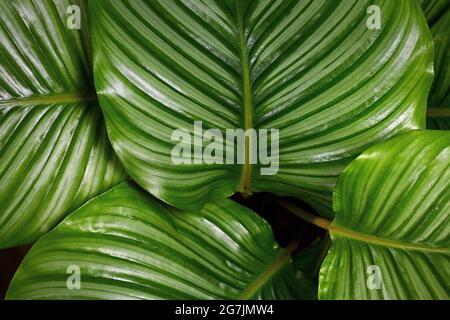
54,153
434,9
438,15
125,244
325,74
309,259
390,236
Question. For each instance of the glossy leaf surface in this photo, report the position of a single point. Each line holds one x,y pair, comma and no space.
311,69
391,236
129,245
54,153
438,16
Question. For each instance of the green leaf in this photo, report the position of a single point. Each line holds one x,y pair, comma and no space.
439,98
310,259
129,245
392,208
312,69
434,9
54,153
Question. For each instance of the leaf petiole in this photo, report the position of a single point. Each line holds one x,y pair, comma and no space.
311,218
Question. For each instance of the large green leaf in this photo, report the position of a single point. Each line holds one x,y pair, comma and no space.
54,153
312,69
129,245
438,15
392,208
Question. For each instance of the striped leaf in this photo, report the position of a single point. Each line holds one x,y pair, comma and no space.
54,153
310,259
312,69
438,16
434,9
128,245
391,236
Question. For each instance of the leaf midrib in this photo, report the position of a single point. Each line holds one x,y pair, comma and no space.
50,99
370,239
247,103
331,227
268,273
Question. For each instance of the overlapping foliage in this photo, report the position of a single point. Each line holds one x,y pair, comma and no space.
313,69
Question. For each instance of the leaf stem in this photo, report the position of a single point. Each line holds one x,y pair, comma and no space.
311,218
264,277
438,112
355,235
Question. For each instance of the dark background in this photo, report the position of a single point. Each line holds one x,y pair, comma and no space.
9,262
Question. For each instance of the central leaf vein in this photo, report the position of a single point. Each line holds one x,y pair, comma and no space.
49,99
369,239
247,103
276,266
